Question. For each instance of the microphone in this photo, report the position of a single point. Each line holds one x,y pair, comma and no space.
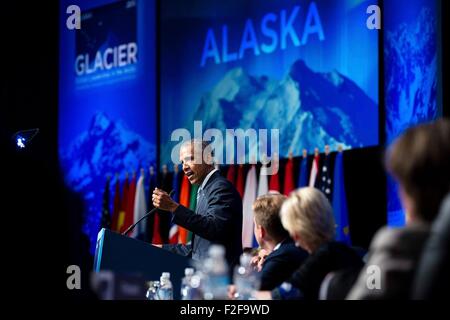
143,217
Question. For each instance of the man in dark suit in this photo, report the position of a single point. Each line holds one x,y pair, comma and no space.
278,257
218,216
284,257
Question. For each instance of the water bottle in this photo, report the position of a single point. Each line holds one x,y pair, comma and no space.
165,291
246,278
216,274
197,286
152,292
186,287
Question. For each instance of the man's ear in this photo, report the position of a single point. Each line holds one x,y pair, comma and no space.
263,232
407,204
257,230
208,155
296,239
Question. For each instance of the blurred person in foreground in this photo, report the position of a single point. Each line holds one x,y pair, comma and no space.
281,257
308,217
420,161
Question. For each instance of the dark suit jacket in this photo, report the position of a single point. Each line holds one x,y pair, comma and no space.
280,264
432,278
218,219
396,252
331,256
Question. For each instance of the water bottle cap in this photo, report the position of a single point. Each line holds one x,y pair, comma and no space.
188,271
216,250
245,259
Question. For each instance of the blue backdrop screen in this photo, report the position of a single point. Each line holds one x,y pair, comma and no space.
307,68
107,108
411,61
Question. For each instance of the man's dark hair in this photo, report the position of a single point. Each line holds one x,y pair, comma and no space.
420,160
267,214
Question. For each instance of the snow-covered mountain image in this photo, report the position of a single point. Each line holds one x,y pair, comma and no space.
107,147
310,109
411,67
410,55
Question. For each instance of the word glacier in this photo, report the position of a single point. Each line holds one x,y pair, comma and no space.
114,57
269,39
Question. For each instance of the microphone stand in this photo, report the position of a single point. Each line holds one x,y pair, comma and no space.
144,217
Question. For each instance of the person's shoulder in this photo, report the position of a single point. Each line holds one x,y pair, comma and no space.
291,249
219,182
337,250
409,236
288,252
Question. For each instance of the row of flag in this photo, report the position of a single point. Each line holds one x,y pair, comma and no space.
133,200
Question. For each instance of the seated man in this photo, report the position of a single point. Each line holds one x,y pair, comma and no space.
282,257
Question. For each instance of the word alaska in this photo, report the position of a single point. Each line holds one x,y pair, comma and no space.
274,31
116,57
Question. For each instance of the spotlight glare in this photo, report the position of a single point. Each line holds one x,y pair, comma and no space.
20,142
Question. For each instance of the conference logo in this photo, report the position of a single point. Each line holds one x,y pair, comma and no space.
106,47
232,146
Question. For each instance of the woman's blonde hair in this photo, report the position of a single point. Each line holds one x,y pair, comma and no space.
307,213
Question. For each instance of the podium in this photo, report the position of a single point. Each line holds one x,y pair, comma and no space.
123,255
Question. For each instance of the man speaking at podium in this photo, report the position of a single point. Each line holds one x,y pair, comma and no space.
218,215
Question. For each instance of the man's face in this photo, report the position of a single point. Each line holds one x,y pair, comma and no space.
194,170
258,233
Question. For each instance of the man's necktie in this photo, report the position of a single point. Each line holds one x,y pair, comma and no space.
199,198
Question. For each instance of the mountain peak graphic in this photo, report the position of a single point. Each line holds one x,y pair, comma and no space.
310,109
105,148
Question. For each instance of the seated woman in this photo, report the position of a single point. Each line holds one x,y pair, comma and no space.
308,217
420,161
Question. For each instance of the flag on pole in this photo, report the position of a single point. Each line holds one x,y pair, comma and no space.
140,207
247,208
340,202
153,227
231,173
274,183
325,176
185,194
165,216
116,206
106,211
173,231
263,187
129,213
303,174
152,184
289,185
123,205
240,180
314,170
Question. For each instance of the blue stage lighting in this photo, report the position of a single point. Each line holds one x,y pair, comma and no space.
22,139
